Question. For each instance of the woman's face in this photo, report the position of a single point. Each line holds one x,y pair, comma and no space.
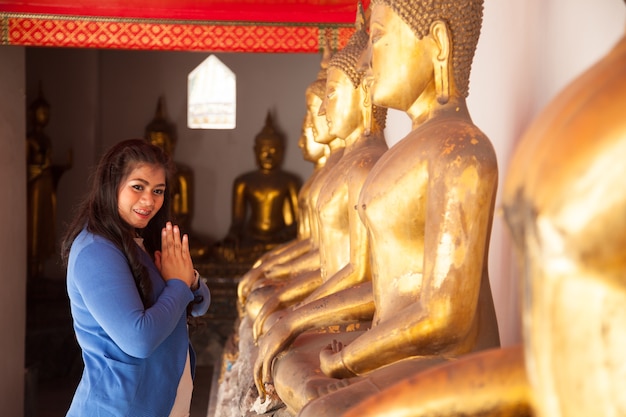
141,195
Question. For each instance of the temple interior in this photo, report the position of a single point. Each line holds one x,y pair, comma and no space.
526,54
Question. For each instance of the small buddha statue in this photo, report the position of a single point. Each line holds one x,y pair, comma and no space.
427,205
564,201
264,203
42,179
162,133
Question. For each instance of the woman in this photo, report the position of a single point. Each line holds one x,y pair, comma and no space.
128,298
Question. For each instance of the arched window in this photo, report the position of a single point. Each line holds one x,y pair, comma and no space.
211,96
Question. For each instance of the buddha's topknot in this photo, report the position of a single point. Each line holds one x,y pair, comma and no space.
347,59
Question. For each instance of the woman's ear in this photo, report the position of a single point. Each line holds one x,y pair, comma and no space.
441,59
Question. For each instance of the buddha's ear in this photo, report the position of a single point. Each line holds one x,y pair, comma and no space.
367,103
441,59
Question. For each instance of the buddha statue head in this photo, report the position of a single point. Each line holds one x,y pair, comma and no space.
40,110
314,98
315,134
269,147
346,74
312,151
451,28
160,132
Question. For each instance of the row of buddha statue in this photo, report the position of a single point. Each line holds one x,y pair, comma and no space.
381,305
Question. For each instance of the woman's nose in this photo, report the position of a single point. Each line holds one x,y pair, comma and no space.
147,199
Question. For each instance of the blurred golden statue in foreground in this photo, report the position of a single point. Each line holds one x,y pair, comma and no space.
427,205
264,203
42,178
162,133
564,201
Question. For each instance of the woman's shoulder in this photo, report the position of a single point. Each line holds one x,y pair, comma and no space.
92,245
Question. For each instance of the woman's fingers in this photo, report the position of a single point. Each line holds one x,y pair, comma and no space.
172,241
175,257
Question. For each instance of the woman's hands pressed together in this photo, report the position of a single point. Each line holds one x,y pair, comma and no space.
174,260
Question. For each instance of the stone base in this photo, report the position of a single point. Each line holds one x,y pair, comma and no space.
236,394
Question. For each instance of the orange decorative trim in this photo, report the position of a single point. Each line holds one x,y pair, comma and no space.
150,34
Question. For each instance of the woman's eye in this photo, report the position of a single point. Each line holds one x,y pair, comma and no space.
159,191
137,187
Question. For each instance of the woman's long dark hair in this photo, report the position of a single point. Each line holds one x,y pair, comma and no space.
99,210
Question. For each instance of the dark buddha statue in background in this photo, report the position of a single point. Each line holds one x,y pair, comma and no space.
264,203
162,133
42,177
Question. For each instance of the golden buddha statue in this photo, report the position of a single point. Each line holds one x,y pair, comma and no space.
427,205
264,203
42,179
162,133
563,200
315,139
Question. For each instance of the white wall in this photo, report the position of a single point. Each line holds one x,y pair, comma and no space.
13,236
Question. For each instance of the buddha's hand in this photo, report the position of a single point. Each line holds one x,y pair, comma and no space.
277,272
269,307
247,283
331,361
270,345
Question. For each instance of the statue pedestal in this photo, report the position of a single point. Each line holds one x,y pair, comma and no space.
210,332
234,394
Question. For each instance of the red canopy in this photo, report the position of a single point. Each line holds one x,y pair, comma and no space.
206,25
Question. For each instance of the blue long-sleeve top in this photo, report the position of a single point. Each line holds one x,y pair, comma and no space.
133,356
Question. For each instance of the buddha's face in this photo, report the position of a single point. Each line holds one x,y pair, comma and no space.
311,150
318,121
42,115
269,154
342,104
400,64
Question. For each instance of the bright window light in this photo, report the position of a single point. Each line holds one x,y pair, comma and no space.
211,96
